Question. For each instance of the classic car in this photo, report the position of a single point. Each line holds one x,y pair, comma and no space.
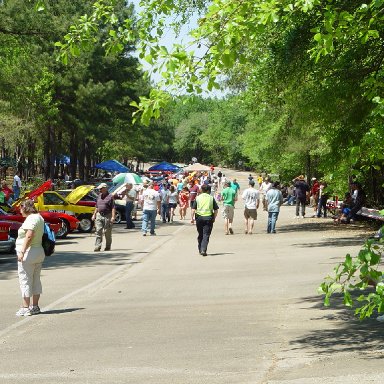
67,223
9,232
52,201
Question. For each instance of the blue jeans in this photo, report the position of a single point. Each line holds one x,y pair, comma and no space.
322,206
16,192
128,214
272,218
149,216
165,212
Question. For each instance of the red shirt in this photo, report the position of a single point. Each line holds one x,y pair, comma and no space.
193,191
7,192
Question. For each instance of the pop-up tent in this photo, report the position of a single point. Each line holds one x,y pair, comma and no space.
197,167
164,167
112,166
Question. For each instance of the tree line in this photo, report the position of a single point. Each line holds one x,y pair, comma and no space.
304,81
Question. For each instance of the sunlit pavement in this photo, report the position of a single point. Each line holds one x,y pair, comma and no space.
153,310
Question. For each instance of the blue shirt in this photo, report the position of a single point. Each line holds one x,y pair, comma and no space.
275,199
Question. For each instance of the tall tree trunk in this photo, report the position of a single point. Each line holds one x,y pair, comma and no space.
308,169
52,153
82,160
87,160
73,154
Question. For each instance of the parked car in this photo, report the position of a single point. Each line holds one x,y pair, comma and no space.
9,231
67,223
88,200
52,201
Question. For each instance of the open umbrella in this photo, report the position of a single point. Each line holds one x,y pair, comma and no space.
128,177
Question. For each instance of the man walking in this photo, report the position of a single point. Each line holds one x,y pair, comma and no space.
302,191
130,197
229,197
205,210
275,200
104,216
151,206
251,202
164,196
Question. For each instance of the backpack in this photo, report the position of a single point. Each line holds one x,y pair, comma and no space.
48,240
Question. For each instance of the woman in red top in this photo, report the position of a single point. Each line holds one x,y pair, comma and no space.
183,201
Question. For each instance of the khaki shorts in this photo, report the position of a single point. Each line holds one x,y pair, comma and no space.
228,212
250,214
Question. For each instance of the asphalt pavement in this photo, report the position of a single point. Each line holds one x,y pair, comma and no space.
153,310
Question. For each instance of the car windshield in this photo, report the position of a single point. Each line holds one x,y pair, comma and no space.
114,187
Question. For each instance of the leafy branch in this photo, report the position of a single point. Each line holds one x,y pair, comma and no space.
357,273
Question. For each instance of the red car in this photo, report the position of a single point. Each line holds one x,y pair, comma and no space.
9,232
62,223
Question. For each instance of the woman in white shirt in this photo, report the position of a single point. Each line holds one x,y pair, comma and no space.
30,256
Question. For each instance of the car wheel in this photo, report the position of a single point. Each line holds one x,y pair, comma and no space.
118,217
63,231
86,223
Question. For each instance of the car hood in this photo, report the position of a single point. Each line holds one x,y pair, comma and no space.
78,193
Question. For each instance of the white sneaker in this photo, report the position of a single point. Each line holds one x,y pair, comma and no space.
301,217
23,312
35,310
296,217
380,318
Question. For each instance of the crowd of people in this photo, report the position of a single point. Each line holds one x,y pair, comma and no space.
172,196
190,196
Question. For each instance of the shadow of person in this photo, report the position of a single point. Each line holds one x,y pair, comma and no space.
60,311
220,253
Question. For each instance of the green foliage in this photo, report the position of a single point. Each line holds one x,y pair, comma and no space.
208,129
355,274
83,108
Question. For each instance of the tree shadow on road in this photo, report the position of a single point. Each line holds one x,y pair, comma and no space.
312,225
8,267
343,331
337,242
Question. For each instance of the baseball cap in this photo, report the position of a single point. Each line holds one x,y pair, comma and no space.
102,185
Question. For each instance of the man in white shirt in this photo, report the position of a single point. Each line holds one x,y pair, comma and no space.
16,186
251,203
164,196
151,206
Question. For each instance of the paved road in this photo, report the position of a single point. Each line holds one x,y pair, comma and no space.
154,311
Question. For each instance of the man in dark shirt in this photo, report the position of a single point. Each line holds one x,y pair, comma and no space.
358,198
104,216
302,190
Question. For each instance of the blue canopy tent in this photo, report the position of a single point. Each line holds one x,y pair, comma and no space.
164,167
112,166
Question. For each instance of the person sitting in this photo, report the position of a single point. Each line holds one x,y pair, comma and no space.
345,208
358,198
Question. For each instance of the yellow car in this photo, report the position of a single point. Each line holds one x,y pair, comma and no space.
52,201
